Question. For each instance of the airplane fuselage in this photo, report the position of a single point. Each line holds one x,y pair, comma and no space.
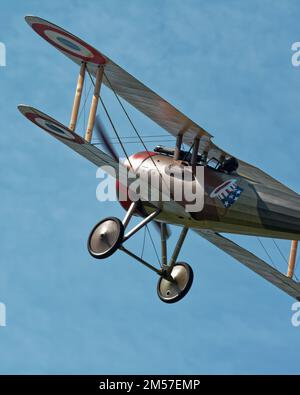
228,203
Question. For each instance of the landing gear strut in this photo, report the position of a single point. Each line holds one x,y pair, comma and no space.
175,278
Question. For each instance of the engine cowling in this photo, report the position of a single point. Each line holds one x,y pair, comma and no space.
134,163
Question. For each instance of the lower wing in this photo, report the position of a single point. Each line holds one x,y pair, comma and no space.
71,139
254,263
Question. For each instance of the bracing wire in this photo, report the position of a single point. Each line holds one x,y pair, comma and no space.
144,242
280,252
131,123
111,122
153,245
296,277
283,257
84,106
133,126
156,136
271,260
126,113
115,130
131,142
84,103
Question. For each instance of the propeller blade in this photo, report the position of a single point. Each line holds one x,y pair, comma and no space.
104,137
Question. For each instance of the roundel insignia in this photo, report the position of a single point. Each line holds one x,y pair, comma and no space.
68,43
53,127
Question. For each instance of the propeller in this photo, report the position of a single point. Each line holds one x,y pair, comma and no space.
103,136
110,149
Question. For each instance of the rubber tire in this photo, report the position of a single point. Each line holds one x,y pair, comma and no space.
117,244
185,291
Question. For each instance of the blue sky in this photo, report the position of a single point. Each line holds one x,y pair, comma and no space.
227,65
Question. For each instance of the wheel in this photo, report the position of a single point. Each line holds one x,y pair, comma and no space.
105,238
173,291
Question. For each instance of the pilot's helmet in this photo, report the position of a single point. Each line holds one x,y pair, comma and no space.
230,165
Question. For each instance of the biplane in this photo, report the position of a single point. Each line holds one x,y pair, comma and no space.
238,198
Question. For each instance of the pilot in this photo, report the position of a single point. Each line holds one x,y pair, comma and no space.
229,165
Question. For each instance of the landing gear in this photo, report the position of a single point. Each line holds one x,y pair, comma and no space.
105,238
173,288
175,278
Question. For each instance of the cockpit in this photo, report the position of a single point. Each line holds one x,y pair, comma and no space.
229,165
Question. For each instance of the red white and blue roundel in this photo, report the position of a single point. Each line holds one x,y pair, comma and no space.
65,41
51,126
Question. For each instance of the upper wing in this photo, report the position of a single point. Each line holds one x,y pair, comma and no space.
71,139
124,84
141,97
254,263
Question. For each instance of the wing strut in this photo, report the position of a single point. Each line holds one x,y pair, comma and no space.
292,260
77,98
94,105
